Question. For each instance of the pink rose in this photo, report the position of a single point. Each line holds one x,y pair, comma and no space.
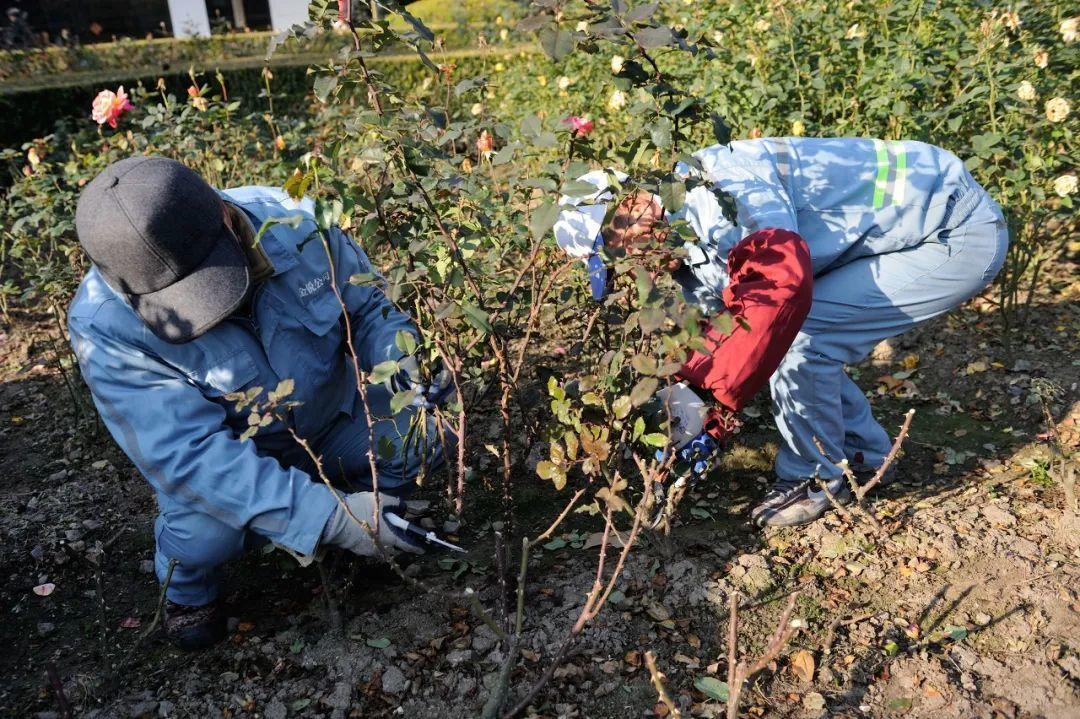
109,106
579,126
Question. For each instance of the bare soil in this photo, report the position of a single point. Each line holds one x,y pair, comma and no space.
970,607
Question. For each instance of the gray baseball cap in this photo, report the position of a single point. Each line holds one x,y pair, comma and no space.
157,233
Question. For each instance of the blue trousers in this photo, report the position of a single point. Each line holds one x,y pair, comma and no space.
201,544
855,306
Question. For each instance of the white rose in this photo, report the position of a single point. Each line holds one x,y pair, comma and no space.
1065,185
1026,91
583,26
617,101
564,82
717,37
1070,29
476,109
1041,58
761,25
617,64
1057,109
504,34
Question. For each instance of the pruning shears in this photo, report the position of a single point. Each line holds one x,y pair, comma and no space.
399,522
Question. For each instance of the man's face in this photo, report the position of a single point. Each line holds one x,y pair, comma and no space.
638,226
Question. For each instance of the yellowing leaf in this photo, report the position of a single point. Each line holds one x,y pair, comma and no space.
802,666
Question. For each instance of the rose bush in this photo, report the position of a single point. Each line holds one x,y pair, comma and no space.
450,173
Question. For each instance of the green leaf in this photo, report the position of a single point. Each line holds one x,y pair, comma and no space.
985,143
543,219
660,132
558,43
651,37
324,85
383,371
380,643
297,646
712,688
557,543
300,704
546,469
476,317
639,428
956,633
643,391
644,284
655,439
643,364
284,389
723,323
621,407
673,195
401,400
642,12
405,341
531,125
578,188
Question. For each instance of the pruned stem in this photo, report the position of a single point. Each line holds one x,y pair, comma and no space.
658,682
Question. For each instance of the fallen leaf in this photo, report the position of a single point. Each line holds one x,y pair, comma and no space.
712,687
658,612
245,626
802,666
44,590
130,623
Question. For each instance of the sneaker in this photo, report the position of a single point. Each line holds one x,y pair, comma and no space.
790,503
192,628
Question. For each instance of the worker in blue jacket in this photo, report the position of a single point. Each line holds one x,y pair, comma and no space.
181,308
837,244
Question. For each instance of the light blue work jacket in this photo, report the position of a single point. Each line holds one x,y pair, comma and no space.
847,197
164,403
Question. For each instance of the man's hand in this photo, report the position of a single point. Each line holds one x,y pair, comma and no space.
343,531
410,377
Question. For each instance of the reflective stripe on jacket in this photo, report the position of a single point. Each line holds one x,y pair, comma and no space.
846,197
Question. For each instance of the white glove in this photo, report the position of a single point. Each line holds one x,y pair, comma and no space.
342,531
408,377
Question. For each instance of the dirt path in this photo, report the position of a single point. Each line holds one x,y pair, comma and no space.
969,607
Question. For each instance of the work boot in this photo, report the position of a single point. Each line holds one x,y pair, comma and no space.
193,628
793,502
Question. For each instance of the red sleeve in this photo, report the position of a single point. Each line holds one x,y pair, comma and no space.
770,288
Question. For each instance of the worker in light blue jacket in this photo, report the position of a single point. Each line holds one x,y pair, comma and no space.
180,309
837,244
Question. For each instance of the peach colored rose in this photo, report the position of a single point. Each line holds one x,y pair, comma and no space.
109,106
486,144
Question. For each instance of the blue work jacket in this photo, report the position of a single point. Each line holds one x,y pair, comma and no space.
164,403
847,197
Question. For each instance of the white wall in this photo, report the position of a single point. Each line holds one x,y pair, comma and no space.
189,17
286,13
